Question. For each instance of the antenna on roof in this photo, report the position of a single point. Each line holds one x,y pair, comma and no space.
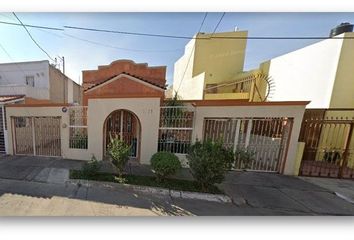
236,29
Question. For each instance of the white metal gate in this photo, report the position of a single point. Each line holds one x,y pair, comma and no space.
38,136
266,138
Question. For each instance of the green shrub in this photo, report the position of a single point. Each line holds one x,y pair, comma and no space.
165,164
244,157
91,167
209,162
119,152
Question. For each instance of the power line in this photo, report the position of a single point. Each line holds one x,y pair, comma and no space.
180,37
217,25
190,56
127,33
119,48
29,34
206,37
33,26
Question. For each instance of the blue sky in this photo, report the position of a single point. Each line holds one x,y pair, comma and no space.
82,55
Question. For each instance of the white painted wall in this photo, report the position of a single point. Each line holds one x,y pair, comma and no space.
307,74
13,79
188,88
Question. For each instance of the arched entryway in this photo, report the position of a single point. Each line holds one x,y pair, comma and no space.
123,124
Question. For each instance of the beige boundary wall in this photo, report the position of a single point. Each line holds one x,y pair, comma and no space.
146,109
148,112
45,111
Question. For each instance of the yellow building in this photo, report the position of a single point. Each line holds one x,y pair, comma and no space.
212,68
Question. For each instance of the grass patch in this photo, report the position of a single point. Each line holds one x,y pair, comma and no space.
170,183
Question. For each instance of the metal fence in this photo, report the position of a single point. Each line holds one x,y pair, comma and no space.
78,137
176,127
2,129
329,143
265,140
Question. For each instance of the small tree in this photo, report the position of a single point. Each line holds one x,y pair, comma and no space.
165,164
209,162
119,152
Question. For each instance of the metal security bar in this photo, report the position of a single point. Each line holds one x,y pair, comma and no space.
47,136
264,139
78,137
38,136
2,129
23,135
176,127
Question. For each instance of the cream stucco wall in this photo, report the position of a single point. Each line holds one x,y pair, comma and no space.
146,109
66,152
148,112
295,112
208,60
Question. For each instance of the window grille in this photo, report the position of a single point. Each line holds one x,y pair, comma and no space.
78,136
176,127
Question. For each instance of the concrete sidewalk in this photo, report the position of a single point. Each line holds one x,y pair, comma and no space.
284,193
37,186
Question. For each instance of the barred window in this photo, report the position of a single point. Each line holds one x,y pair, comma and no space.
176,127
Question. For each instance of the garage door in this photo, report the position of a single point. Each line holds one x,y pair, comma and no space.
39,136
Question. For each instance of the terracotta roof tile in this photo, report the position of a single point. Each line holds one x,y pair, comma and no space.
144,80
6,98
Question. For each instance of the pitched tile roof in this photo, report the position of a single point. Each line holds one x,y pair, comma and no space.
141,79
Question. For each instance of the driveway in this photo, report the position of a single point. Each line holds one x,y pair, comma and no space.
284,194
32,186
40,169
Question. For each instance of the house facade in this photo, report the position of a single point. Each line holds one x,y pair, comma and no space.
212,67
321,72
126,100
38,80
33,82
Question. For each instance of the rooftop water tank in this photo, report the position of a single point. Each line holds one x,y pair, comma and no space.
341,28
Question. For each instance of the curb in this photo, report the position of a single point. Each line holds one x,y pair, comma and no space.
160,191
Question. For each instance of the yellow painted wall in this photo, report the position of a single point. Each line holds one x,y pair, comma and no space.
231,95
221,59
343,89
211,60
299,153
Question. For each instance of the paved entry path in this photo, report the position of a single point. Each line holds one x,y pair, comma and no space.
33,186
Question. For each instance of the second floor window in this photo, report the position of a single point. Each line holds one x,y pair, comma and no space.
30,81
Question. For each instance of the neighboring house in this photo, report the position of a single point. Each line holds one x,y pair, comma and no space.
322,73
38,80
212,68
34,82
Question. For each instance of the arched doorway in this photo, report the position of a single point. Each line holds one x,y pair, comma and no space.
125,125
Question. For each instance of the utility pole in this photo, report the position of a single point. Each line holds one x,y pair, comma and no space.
63,61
